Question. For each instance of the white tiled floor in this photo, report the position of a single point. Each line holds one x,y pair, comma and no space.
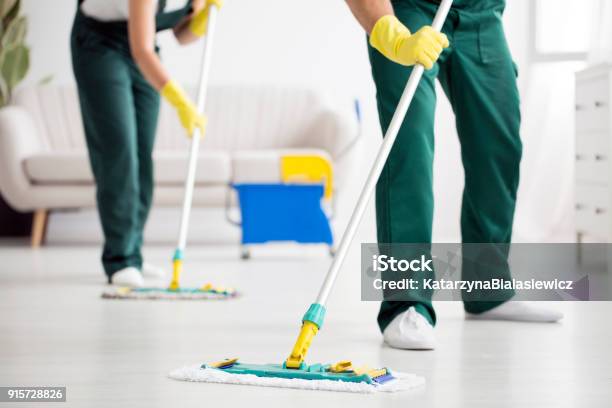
55,330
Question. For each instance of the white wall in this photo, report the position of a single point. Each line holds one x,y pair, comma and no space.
314,43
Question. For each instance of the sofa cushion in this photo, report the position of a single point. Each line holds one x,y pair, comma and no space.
214,167
256,166
264,166
170,168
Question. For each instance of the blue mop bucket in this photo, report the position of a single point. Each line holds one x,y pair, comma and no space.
283,212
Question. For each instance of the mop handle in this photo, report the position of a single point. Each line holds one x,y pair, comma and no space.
379,163
195,139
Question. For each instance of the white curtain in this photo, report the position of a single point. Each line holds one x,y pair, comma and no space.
601,33
545,198
545,208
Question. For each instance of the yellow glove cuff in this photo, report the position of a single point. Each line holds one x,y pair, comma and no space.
173,93
387,34
199,22
186,110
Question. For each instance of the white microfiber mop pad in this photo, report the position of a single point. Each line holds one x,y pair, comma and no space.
403,381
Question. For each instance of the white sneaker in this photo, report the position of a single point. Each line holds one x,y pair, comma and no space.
153,271
410,331
518,312
127,277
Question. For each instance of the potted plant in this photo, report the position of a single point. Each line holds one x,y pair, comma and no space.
14,65
14,53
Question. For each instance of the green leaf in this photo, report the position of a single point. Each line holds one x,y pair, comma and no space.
6,6
6,21
15,33
5,94
15,65
45,80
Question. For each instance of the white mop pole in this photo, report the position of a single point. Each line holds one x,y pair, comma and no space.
379,164
195,142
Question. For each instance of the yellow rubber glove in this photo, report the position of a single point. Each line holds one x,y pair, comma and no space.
199,22
186,110
394,41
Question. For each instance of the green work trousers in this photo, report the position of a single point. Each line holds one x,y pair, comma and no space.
120,111
478,76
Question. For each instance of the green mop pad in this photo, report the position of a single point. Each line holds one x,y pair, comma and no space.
327,377
342,371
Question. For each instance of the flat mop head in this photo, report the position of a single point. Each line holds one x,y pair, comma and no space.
341,376
206,292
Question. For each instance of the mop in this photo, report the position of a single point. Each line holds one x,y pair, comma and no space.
174,291
343,375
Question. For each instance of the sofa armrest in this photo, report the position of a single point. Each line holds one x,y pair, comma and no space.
338,132
335,131
18,140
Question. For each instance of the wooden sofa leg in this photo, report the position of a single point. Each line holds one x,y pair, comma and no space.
39,227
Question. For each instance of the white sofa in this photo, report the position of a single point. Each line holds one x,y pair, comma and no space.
44,165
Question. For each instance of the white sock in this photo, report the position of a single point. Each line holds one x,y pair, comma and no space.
518,312
127,277
153,271
410,331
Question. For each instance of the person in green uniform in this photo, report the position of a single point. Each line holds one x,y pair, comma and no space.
472,61
119,77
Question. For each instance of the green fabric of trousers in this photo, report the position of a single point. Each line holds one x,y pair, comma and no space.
478,76
119,110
